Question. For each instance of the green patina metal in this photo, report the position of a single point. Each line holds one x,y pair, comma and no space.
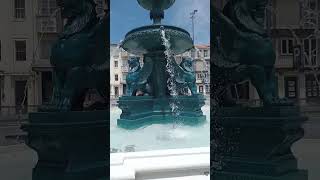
156,4
147,39
242,49
250,143
79,56
156,8
148,98
259,143
72,144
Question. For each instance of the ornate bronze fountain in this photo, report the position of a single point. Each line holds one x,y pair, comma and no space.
148,97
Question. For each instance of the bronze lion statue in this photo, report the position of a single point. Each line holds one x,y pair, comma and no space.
79,57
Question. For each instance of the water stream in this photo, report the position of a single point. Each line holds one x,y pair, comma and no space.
171,82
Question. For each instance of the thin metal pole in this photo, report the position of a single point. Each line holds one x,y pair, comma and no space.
192,18
193,28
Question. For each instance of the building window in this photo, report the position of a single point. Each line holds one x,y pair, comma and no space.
205,53
21,50
192,53
116,77
312,87
286,46
47,86
19,9
207,89
125,63
310,52
199,76
45,50
116,64
124,89
200,89
208,63
308,13
199,53
48,25
47,7
21,95
291,87
116,91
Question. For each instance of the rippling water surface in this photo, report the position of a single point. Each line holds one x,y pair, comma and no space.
159,136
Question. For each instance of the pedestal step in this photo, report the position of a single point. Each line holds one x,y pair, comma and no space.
69,145
255,143
295,175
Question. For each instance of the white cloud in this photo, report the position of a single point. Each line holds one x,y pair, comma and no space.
181,18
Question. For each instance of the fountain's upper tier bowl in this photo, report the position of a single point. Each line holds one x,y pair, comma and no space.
147,39
156,4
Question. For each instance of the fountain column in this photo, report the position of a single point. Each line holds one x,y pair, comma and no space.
159,74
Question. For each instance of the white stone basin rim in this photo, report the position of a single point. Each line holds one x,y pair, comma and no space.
160,164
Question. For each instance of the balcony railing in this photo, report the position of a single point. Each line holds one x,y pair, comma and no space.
47,25
124,68
284,62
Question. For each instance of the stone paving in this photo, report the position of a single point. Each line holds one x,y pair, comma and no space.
16,161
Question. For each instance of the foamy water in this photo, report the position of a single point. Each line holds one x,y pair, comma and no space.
159,136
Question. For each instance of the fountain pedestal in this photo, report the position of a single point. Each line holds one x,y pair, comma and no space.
159,75
70,145
257,144
138,111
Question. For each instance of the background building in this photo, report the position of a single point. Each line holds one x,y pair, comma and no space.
30,27
294,28
25,72
119,68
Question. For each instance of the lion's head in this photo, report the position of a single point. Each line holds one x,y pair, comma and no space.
186,64
134,64
78,13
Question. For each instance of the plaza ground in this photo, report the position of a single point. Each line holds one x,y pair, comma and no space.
16,161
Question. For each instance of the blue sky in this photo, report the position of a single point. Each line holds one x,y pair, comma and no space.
127,15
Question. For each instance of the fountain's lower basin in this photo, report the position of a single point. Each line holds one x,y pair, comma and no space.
159,136
147,39
140,111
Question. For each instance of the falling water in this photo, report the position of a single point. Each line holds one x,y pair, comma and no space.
171,82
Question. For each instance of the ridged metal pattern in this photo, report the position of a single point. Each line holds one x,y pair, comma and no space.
156,4
148,39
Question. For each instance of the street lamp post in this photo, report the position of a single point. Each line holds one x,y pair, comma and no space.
192,18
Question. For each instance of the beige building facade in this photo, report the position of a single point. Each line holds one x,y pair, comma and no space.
29,28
